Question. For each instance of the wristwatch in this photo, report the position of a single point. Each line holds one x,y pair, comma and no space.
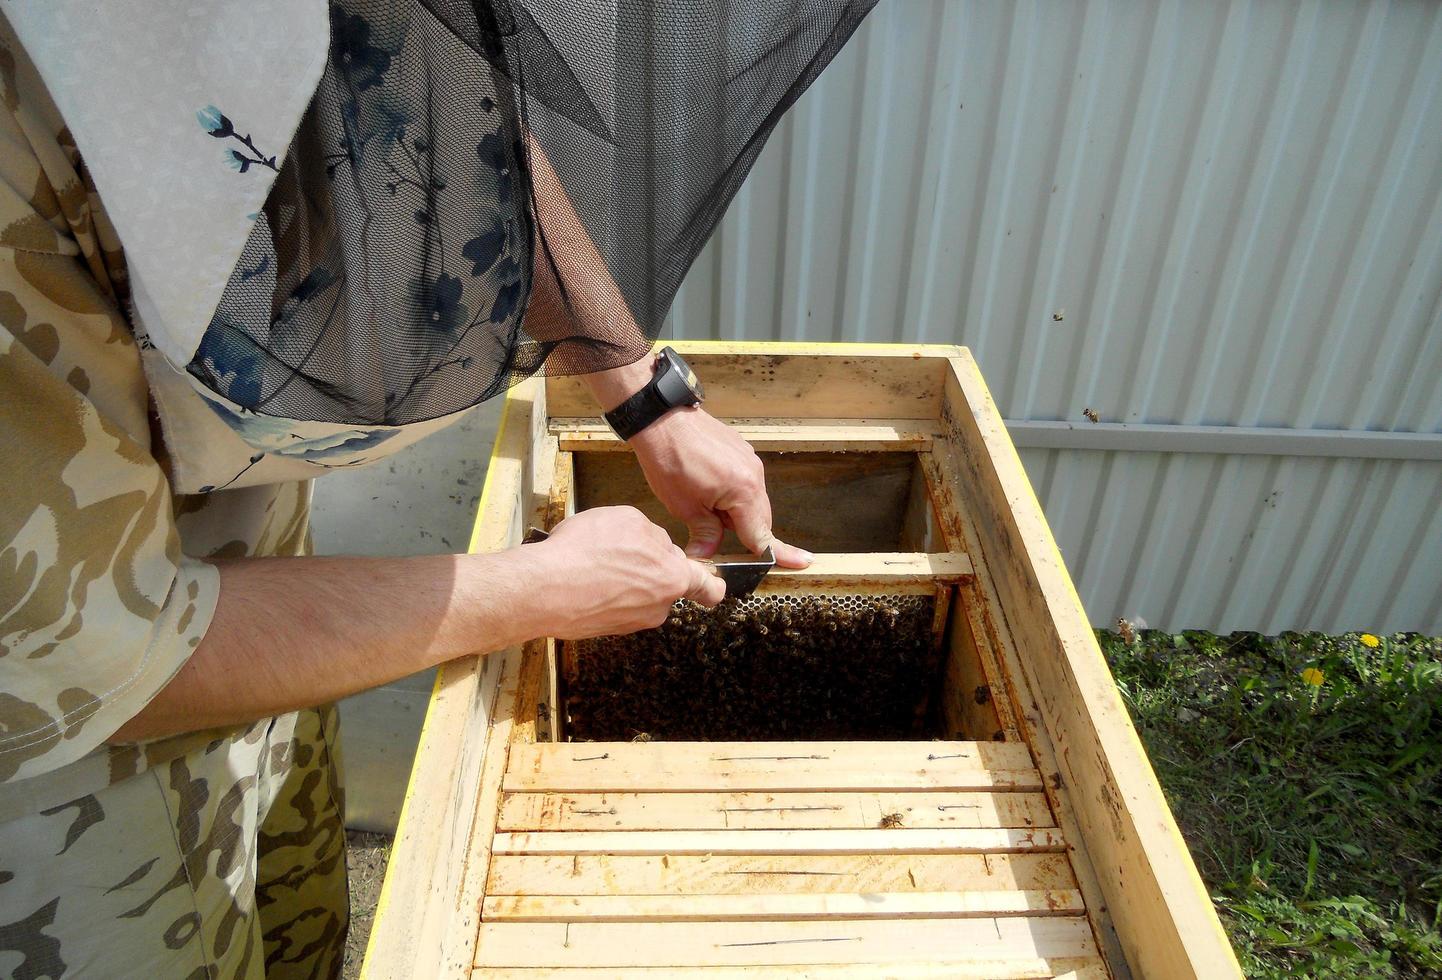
674,385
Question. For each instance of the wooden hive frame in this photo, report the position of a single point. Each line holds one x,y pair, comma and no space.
1080,785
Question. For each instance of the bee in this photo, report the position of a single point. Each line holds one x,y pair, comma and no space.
1091,415
890,821
762,668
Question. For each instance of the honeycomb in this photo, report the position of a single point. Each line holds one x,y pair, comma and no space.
761,668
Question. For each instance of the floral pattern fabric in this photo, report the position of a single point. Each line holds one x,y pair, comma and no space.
340,197
383,282
128,79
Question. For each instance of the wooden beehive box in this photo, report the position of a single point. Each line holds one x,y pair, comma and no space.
1012,828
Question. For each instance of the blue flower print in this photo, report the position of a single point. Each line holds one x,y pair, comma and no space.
341,445
485,249
505,303
492,151
214,122
352,51
218,125
440,304
273,436
233,362
248,274
391,120
509,295
319,279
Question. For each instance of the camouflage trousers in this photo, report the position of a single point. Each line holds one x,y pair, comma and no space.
228,862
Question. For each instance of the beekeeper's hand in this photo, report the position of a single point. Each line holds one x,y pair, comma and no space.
700,469
610,570
711,478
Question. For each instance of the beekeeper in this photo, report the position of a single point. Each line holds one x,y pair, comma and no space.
242,245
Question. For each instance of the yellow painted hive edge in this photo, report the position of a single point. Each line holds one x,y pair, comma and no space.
383,902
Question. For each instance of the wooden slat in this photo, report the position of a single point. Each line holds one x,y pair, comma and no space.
1158,904
804,381
548,727
677,767
732,943
763,757
700,908
888,572
586,874
781,435
899,840
921,528
428,909
1011,687
976,630
932,666
1012,968
973,699
768,811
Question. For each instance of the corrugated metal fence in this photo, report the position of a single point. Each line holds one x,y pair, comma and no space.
1217,225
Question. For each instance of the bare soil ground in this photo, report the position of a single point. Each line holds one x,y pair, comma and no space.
366,857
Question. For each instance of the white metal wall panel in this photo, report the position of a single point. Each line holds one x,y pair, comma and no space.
1177,212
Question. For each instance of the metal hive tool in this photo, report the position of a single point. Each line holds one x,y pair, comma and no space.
741,576
744,575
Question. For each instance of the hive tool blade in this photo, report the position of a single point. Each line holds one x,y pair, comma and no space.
744,575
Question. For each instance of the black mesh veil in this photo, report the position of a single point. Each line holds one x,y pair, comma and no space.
480,190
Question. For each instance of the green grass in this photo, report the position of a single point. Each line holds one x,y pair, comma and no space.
1312,802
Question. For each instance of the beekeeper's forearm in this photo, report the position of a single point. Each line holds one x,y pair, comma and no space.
289,633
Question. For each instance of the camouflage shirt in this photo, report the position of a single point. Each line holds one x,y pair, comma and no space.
103,590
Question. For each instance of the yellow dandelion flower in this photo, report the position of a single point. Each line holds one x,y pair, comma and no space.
1313,676
1368,640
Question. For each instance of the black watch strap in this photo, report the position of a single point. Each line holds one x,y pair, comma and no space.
637,412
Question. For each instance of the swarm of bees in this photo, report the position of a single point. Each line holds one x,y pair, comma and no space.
758,669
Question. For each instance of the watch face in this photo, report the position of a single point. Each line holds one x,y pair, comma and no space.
676,383
694,383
